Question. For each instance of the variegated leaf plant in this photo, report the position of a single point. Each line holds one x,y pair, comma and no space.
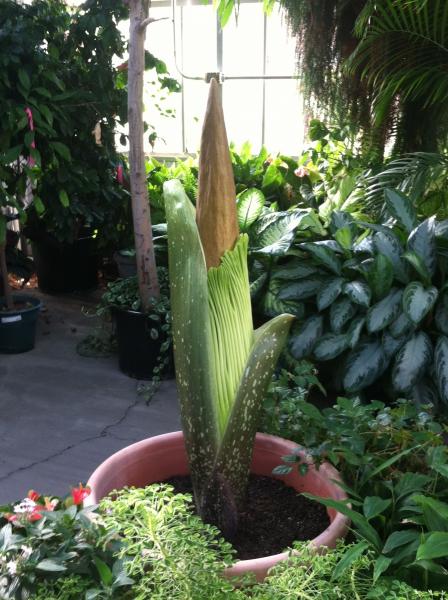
222,365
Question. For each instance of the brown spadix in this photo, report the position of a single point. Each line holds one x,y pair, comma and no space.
216,205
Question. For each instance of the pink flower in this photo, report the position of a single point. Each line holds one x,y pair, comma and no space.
301,172
79,494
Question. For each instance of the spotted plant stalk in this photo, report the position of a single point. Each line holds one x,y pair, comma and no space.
223,366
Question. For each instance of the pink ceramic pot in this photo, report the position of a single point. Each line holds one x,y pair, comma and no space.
164,456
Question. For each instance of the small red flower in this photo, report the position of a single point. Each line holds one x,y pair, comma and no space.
80,493
33,495
120,174
34,516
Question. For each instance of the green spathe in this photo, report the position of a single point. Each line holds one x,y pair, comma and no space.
223,366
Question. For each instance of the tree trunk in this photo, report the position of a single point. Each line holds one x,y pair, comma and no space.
4,276
146,263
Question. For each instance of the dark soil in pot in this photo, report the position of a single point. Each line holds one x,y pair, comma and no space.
275,516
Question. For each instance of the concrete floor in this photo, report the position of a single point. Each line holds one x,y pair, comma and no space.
62,414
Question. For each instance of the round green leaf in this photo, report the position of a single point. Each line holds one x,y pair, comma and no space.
418,301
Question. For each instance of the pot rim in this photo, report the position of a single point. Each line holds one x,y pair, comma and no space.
36,302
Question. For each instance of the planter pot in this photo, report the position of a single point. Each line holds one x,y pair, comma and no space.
137,351
126,265
164,456
63,268
18,327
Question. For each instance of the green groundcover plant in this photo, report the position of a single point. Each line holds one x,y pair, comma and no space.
147,543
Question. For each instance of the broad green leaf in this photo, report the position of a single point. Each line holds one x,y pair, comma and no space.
249,205
62,150
50,565
274,233
400,538
380,276
341,311
441,315
424,393
381,565
272,305
304,336
422,241
340,220
324,256
11,155
348,558
24,79
363,366
441,366
411,362
328,292
381,314
344,237
329,346
391,345
358,292
272,176
401,208
104,571
362,525
302,289
418,301
297,271
38,205
49,116
354,331
387,243
401,326
374,506
435,546
435,512
419,266
64,199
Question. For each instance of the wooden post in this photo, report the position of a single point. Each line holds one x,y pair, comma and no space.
144,247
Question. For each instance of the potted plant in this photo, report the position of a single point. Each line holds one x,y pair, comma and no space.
223,367
18,312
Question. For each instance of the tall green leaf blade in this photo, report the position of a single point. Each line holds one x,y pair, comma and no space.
302,343
418,301
387,243
422,241
354,331
363,366
249,204
411,362
441,366
401,208
195,369
381,314
419,266
235,452
348,558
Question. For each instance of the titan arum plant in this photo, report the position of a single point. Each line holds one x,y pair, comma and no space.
223,366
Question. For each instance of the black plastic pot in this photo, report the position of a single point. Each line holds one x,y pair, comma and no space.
63,268
126,264
18,327
137,350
